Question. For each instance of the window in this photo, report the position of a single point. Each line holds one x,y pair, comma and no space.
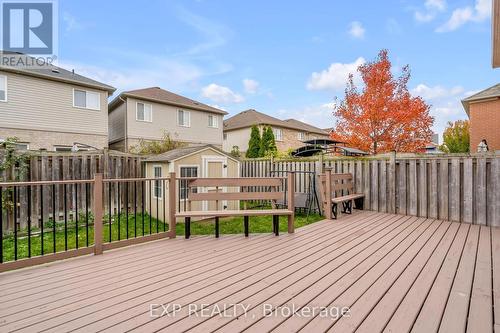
143,112
62,148
70,148
184,118
157,193
187,171
86,99
18,145
278,134
3,88
224,136
301,136
212,121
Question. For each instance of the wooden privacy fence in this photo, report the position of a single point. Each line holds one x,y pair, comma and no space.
50,166
455,188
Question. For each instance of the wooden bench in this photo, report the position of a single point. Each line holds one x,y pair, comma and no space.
337,189
248,189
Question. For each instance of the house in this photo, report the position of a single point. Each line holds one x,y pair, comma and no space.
52,108
205,161
495,28
288,134
483,110
147,114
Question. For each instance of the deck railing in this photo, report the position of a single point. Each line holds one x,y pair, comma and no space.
113,213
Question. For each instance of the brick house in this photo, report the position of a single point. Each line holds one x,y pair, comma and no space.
483,110
288,134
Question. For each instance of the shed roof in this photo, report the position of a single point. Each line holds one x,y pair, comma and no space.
178,153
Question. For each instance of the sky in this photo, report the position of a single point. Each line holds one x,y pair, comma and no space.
289,59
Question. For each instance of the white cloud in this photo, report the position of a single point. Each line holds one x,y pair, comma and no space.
320,116
460,16
431,93
221,94
356,30
432,7
213,33
336,76
154,71
219,107
445,103
250,86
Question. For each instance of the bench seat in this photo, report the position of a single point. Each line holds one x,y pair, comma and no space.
229,213
348,197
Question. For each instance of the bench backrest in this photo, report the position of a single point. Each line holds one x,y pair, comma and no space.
333,185
340,184
248,189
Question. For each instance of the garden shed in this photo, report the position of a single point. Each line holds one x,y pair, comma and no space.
205,161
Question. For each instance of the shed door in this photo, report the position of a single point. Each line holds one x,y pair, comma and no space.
214,168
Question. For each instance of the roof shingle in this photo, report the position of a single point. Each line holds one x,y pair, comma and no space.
159,95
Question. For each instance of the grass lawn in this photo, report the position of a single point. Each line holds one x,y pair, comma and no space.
258,224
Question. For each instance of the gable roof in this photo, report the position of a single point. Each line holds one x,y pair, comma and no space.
306,127
159,95
488,93
252,117
178,153
52,72
249,118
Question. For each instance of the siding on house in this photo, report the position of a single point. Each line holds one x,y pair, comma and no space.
164,118
117,124
35,103
240,137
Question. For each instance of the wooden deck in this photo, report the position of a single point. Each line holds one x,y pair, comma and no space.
393,273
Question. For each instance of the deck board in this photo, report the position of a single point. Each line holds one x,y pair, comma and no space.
395,273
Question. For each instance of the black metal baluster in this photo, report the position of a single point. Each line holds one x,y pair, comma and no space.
143,199
1,225
109,209
150,209
65,218
135,208
119,201
29,220
245,223
41,220
87,214
216,227
75,187
15,223
157,207
54,218
126,205
164,203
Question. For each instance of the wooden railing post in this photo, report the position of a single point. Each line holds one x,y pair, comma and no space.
328,193
171,205
98,213
291,202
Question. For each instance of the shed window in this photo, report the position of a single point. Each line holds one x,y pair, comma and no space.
189,172
157,187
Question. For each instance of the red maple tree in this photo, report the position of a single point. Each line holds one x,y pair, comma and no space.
383,116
